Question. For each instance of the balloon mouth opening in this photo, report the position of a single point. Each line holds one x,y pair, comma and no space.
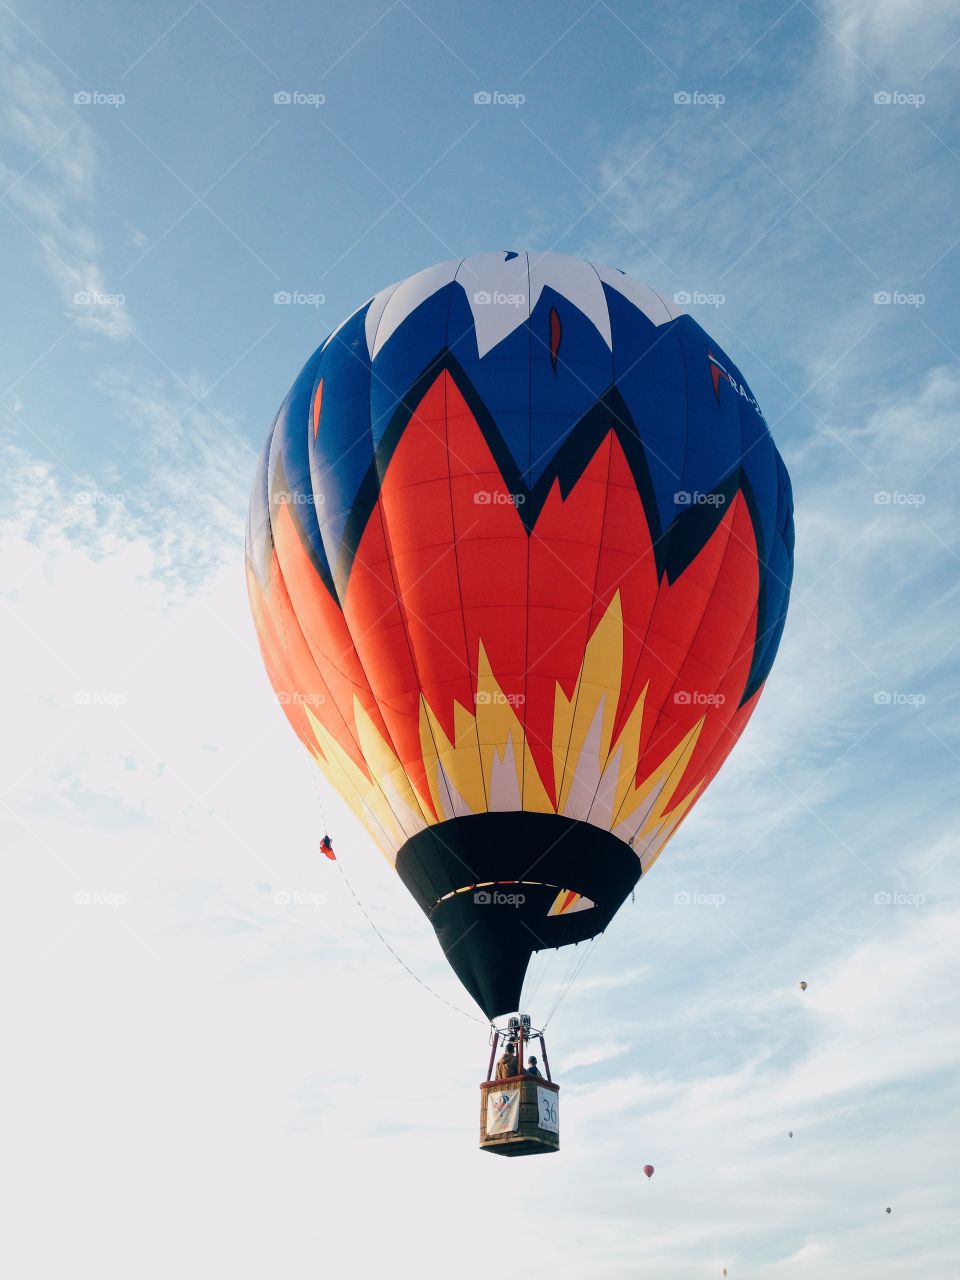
498,886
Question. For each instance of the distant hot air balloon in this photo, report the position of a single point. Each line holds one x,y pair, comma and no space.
724,1273
519,555
790,1134
889,1210
803,986
648,1170
326,848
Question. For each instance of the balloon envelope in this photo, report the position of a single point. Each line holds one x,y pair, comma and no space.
648,1170
519,554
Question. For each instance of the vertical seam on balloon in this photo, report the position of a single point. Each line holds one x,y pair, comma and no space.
673,686
596,573
590,615
626,687
390,741
307,645
336,596
456,558
400,608
706,608
529,533
290,676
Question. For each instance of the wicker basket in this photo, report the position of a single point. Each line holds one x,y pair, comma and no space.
528,1137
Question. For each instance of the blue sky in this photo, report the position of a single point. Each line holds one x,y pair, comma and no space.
215,1066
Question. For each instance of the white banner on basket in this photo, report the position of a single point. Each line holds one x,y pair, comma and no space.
548,1103
503,1110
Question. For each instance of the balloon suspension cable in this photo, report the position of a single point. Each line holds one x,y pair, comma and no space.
399,959
538,982
578,969
315,773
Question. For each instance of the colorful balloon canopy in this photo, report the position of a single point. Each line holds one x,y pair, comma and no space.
519,553
803,986
648,1170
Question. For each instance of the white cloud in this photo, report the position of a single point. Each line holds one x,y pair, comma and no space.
50,183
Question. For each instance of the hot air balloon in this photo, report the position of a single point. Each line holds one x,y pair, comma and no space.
803,986
519,554
790,1134
889,1211
724,1273
648,1170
